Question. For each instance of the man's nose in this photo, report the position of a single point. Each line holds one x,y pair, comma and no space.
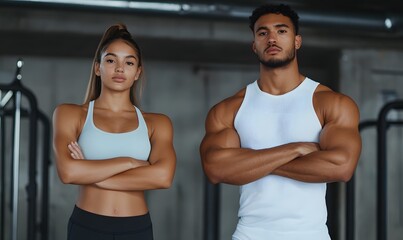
272,38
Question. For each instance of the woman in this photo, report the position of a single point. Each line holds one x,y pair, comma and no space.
111,149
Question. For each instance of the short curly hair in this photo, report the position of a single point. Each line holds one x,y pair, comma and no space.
276,9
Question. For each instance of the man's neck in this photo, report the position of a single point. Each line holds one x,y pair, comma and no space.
278,81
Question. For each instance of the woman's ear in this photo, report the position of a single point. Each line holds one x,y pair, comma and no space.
138,73
96,69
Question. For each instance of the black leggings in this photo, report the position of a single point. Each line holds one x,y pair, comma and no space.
85,225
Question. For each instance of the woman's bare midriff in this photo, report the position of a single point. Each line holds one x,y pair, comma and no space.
111,203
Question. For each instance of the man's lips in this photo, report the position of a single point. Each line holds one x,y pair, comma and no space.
272,49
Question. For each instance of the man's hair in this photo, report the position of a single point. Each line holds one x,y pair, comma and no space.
276,9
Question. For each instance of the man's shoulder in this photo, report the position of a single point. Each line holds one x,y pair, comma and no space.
231,103
224,112
329,101
323,89
326,94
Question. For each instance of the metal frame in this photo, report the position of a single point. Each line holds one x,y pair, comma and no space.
17,90
382,127
382,124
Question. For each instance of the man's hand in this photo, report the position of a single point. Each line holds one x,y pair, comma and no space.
308,147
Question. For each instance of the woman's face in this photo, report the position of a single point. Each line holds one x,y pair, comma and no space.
119,66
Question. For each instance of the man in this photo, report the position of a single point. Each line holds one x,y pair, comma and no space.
282,138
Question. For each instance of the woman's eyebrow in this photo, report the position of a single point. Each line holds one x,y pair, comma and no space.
114,55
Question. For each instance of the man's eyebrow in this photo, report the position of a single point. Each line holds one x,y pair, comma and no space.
261,28
280,25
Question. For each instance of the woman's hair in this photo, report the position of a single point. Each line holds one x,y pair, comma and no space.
114,32
276,9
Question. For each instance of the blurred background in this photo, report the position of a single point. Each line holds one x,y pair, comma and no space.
196,53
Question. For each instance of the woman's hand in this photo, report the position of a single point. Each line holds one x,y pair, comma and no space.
75,151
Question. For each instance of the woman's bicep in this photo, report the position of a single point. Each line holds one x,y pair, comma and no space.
65,124
162,148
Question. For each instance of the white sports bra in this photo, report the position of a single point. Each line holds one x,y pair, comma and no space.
97,144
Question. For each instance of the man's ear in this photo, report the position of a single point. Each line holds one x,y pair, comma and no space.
254,47
298,41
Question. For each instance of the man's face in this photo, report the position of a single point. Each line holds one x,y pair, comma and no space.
275,42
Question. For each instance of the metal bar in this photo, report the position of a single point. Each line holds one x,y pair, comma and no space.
350,209
32,185
4,100
211,211
2,174
45,176
366,124
381,178
16,164
211,192
16,151
357,20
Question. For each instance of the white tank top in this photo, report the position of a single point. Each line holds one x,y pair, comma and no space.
98,144
275,207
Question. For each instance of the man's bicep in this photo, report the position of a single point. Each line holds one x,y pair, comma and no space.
223,139
339,137
218,124
219,152
340,134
